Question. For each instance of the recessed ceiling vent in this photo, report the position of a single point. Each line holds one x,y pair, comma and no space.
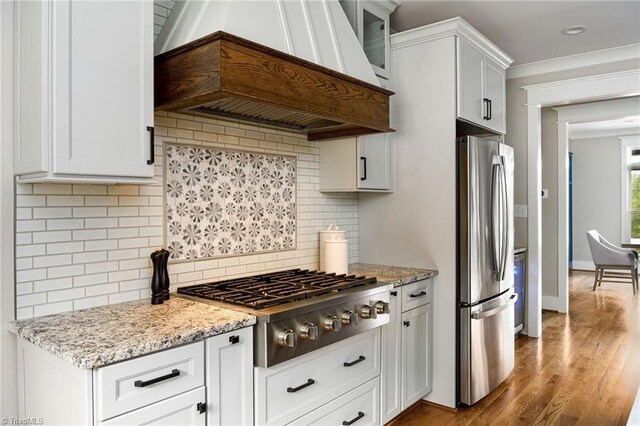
287,64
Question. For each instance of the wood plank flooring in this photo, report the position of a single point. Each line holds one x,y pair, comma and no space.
585,370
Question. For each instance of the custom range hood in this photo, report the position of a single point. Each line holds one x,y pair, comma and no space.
293,64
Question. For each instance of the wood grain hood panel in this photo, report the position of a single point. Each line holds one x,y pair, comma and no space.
233,78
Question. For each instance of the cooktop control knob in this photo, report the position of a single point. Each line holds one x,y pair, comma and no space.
287,338
368,312
309,331
349,318
332,323
382,307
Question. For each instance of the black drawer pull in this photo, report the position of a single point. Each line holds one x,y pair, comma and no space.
152,138
486,115
393,293
234,339
406,323
355,419
296,389
201,407
140,383
349,364
364,166
422,293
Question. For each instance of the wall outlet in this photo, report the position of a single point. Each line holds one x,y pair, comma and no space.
519,210
545,193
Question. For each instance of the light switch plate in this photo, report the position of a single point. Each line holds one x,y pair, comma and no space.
519,210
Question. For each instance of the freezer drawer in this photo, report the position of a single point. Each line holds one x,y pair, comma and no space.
486,347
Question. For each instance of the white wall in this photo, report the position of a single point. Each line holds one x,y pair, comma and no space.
8,378
549,149
597,194
79,246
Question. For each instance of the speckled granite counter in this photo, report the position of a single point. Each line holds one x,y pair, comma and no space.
392,274
99,336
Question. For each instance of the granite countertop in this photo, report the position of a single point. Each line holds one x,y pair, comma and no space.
397,275
518,250
104,335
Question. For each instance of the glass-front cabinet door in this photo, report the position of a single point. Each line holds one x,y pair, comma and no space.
373,33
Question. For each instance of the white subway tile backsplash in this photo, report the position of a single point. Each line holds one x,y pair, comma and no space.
80,246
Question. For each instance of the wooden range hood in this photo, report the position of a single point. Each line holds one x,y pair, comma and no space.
233,78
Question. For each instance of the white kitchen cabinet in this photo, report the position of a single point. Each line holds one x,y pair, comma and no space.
416,356
356,164
391,375
229,372
407,349
205,382
184,409
84,91
481,88
370,21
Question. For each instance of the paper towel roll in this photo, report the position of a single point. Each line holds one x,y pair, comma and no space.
331,230
336,255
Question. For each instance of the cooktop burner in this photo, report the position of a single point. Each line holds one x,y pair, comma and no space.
267,290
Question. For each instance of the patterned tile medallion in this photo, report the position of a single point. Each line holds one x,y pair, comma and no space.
222,203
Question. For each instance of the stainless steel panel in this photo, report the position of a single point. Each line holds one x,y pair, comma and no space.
478,260
506,152
486,347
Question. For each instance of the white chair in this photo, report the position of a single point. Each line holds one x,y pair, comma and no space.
608,257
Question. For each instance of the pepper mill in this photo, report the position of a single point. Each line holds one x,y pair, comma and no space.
157,288
164,273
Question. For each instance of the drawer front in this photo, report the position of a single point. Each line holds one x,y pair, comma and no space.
291,389
416,294
180,410
132,384
358,407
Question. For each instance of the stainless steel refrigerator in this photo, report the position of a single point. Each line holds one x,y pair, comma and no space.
485,259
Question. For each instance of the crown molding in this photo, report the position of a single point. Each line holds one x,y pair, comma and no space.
581,60
451,27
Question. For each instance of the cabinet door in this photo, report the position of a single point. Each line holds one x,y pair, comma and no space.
470,83
373,33
416,371
373,162
183,409
103,74
494,90
229,361
391,374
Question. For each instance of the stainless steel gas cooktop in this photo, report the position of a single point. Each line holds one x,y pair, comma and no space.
299,310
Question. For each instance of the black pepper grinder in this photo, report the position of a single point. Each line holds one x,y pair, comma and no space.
164,273
157,288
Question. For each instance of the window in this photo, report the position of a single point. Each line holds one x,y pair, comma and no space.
630,187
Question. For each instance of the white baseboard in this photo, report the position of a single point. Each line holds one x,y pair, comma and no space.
586,265
550,303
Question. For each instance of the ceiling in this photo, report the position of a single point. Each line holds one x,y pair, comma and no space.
622,126
530,31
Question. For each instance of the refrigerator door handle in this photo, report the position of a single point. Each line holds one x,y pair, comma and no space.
491,312
505,221
495,219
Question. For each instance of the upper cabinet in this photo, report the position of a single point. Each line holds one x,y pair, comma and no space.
370,21
481,87
84,91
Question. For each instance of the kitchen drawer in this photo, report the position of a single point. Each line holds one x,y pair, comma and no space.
121,387
416,294
183,410
358,407
281,395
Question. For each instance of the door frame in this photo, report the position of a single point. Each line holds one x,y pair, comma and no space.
583,89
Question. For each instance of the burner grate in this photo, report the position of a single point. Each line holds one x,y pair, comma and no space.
267,290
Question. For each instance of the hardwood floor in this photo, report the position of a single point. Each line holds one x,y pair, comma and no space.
585,370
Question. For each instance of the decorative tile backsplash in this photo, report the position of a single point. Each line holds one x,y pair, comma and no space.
79,246
223,203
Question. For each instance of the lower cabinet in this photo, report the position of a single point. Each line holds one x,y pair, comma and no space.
183,409
407,349
359,407
290,391
206,382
